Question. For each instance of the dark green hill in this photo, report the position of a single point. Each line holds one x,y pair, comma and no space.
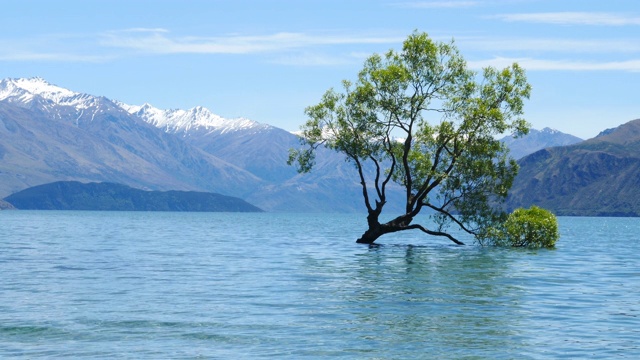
597,177
73,195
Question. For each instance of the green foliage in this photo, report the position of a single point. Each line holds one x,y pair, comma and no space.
532,228
421,119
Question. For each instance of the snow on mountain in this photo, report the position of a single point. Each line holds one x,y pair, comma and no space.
536,140
549,130
48,133
195,119
23,91
26,90
37,86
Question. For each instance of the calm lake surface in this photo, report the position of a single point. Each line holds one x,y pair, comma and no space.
103,285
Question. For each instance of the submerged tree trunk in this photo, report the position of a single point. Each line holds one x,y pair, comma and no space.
371,235
376,229
403,222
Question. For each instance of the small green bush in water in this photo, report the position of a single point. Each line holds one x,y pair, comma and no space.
533,228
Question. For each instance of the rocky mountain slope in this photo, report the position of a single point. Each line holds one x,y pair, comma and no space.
259,148
597,177
536,140
48,133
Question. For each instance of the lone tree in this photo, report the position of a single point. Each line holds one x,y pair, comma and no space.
420,118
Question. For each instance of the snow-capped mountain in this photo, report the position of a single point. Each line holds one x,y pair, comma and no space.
259,148
38,94
537,140
49,133
197,119
25,91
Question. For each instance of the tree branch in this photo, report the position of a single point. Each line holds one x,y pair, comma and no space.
363,182
427,188
377,180
452,218
393,163
434,233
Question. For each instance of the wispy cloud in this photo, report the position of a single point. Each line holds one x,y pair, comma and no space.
555,54
437,4
559,65
312,59
558,45
53,48
312,49
321,59
573,18
160,41
54,57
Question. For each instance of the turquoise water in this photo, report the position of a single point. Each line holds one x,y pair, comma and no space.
103,285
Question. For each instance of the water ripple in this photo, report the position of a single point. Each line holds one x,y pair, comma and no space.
174,285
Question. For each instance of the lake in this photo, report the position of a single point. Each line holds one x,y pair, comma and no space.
153,285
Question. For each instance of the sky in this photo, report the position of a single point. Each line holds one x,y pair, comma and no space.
268,60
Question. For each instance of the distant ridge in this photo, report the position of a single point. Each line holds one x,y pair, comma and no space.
74,195
183,122
597,177
536,140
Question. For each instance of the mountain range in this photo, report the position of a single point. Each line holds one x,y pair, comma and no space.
49,133
596,177
536,140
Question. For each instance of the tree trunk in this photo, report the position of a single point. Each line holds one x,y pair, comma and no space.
371,235
402,222
376,229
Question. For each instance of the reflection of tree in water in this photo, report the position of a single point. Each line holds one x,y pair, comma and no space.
445,299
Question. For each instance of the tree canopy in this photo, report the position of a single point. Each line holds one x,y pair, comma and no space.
419,118
531,228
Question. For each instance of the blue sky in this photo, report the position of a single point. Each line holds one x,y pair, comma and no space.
268,60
